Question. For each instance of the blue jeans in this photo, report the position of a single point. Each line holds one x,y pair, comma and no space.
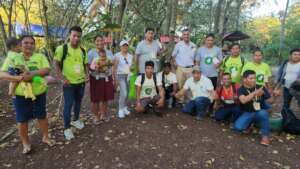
73,94
247,118
198,106
287,98
228,112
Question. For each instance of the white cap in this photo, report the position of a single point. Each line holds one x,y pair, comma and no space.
124,42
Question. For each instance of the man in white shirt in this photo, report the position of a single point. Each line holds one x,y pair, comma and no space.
149,91
289,74
202,94
148,50
169,83
184,59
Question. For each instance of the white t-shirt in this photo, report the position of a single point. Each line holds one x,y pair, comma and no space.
124,64
291,75
169,78
184,53
148,88
199,88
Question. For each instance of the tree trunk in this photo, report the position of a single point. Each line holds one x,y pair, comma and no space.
282,29
217,16
174,15
9,17
238,13
4,35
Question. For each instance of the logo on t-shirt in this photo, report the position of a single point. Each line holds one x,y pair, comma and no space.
260,78
148,91
208,60
234,71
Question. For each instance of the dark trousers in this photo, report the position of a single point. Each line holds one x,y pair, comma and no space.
287,98
73,95
228,112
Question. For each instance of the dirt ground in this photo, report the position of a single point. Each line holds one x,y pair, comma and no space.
144,141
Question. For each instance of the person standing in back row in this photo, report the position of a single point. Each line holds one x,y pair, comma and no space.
209,58
234,63
148,50
72,69
184,59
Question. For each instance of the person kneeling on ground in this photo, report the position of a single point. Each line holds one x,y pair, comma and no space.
227,104
149,93
169,83
251,97
202,94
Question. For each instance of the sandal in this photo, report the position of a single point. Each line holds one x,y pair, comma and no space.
26,149
49,142
97,122
265,141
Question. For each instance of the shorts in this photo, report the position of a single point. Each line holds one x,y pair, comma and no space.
26,109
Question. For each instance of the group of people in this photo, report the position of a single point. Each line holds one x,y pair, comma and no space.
201,81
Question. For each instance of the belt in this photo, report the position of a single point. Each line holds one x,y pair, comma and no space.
187,66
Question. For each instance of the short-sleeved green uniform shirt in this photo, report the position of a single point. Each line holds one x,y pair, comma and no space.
234,66
36,61
73,65
263,71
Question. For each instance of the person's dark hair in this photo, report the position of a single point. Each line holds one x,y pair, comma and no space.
226,74
258,50
186,30
149,29
12,42
98,36
210,35
102,51
294,50
27,36
235,44
76,29
167,64
149,63
247,73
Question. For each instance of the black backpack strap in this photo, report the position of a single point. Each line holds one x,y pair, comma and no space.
163,80
155,83
65,53
143,79
242,60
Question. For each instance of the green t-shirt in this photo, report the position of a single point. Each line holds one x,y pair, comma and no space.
263,72
234,66
37,61
73,67
13,60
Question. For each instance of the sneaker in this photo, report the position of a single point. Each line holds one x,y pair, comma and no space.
126,111
68,134
121,113
78,124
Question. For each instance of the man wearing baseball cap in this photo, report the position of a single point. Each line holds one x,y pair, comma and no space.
202,91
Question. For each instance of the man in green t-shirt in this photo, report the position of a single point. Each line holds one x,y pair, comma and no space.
234,63
37,66
71,66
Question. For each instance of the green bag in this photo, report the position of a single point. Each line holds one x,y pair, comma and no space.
132,88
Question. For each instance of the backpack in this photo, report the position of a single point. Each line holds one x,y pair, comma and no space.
154,79
242,60
65,53
291,124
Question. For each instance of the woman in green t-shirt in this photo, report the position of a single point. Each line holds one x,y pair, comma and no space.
27,109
